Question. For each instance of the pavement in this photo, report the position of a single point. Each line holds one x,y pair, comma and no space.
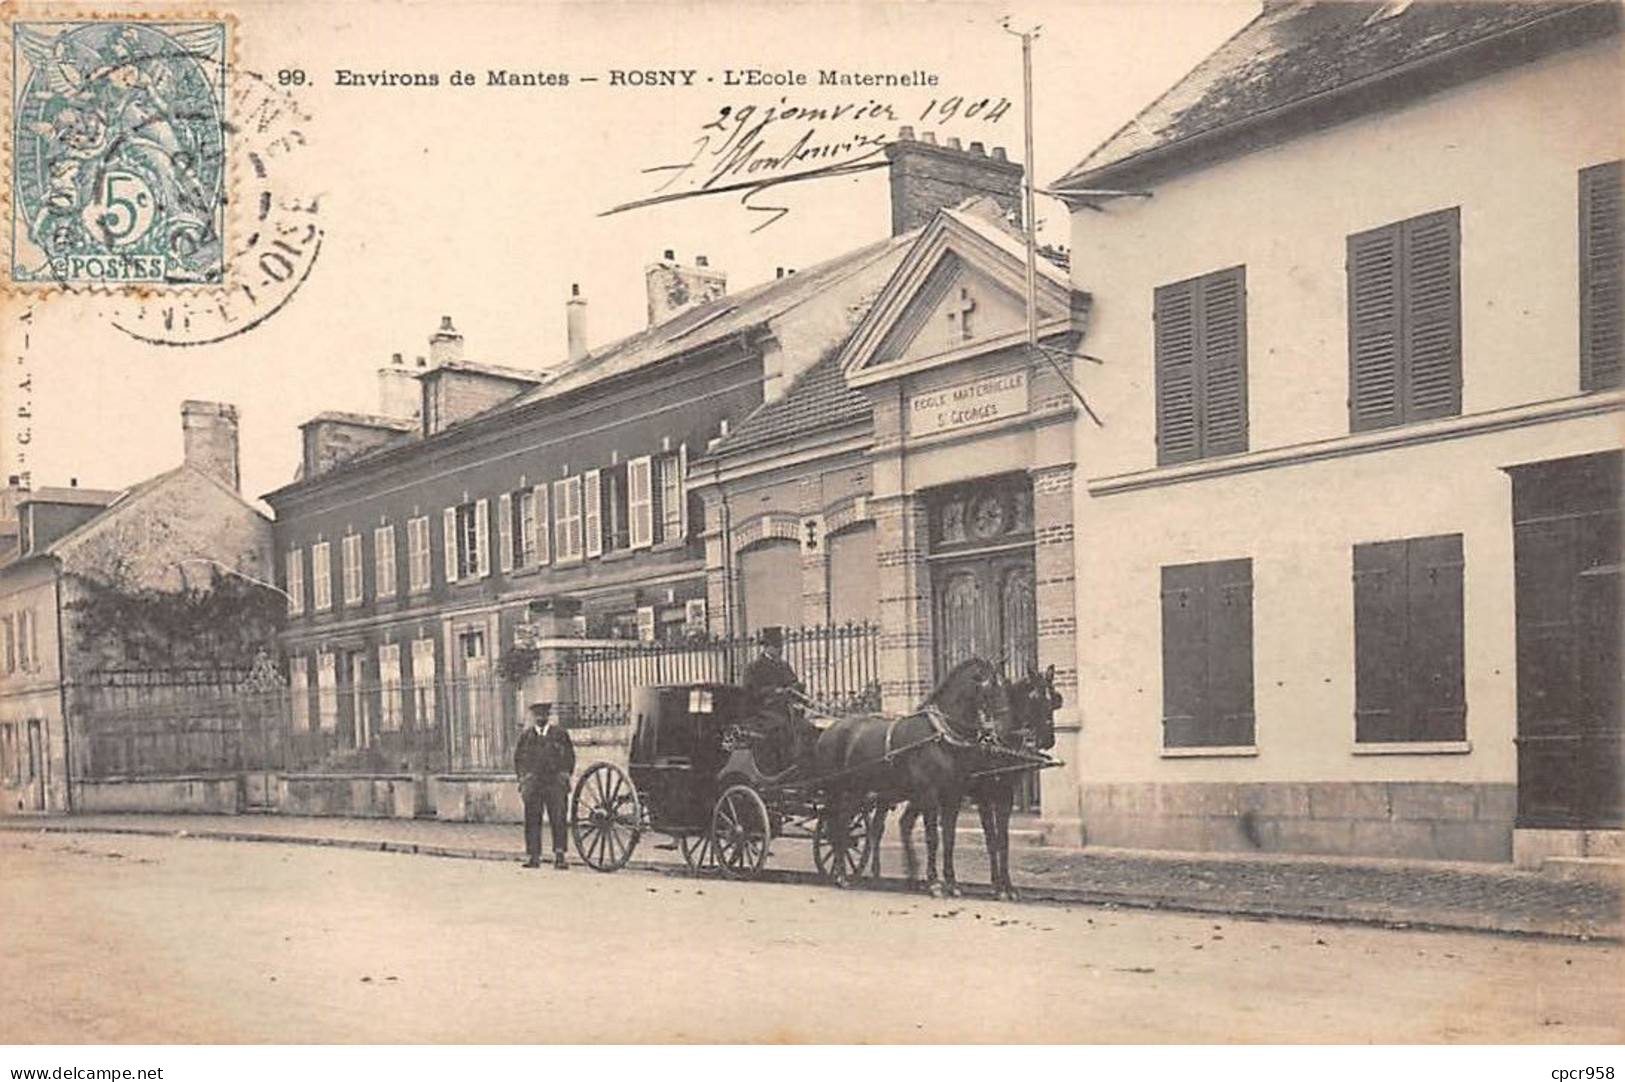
1392,893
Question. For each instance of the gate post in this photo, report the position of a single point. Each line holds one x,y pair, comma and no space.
552,625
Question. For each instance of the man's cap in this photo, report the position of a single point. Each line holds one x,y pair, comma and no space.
541,708
772,636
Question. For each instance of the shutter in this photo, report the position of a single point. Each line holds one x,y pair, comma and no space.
682,489
640,501
1229,654
1373,273
1223,330
449,517
1432,315
1184,655
1602,296
1178,437
1379,642
646,623
538,510
505,531
482,538
658,499
592,513
1436,691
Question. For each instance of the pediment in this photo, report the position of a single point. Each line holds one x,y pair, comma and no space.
960,292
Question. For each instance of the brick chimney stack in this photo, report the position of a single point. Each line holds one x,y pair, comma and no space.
209,432
575,323
926,177
445,344
674,288
399,394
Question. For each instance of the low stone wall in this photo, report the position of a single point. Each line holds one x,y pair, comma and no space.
365,796
494,797
1416,820
205,794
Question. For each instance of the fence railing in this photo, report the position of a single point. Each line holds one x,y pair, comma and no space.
204,721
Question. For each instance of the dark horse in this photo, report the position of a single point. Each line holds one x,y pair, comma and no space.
913,757
1032,702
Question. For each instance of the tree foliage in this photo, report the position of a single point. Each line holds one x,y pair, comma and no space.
226,624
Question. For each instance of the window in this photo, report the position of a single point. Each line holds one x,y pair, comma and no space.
321,576
299,693
770,584
671,521
8,630
295,574
383,561
1602,295
327,692
1201,363
640,502
854,576
591,513
468,540
1405,322
423,683
1408,677
389,686
614,510
352,569
1207,654
522,524
417,554
567,508
27,646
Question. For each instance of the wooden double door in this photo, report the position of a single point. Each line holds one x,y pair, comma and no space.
984,606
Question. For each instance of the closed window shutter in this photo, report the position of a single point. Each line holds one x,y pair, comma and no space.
482,538
1379,641
505,531
1230,654
538,508
449,518
1374,339
592,513
1437,691
640,501
1432,316
1178,434
1184,655
1223,340
682,489
1602,295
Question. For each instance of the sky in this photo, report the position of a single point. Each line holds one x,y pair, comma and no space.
485,203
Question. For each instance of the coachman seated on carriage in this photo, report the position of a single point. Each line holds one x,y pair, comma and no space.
776,695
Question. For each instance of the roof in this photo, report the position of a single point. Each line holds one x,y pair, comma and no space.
368,420
74,496
137,492
500,371
1294,53
819,399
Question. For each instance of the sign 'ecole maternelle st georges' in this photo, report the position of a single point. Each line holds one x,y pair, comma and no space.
980,400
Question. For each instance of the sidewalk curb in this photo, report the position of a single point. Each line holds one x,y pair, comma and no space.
1351,913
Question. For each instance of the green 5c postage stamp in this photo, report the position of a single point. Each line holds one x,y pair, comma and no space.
119,153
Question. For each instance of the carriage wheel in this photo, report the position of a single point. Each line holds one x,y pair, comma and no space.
606,817
698,852
740,832
859,844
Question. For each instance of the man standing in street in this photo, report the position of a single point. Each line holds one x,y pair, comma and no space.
544,761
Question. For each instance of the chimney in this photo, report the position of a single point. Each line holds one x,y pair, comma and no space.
674,288
209,432
575,324
926,178
445,344
399,394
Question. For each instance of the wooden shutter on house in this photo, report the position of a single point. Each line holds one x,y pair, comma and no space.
1230,653
592,513
1374,375
505,531
1602,294
640,501
538,509
1178,434
1207,654
482,538
1432,315
449,520
1408,641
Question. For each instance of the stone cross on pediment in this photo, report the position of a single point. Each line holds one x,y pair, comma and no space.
959,312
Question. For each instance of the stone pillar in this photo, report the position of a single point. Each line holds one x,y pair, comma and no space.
814,558
905,601
1055,571
718,561
552,623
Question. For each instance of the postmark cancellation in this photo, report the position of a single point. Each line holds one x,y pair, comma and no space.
118,134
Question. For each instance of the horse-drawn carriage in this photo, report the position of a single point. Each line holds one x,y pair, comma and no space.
693,775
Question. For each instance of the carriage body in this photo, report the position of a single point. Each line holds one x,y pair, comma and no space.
679,751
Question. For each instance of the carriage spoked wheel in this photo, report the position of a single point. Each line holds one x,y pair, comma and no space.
859,844
740,832
698,852
606,817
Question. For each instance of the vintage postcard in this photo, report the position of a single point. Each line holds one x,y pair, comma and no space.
815,523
